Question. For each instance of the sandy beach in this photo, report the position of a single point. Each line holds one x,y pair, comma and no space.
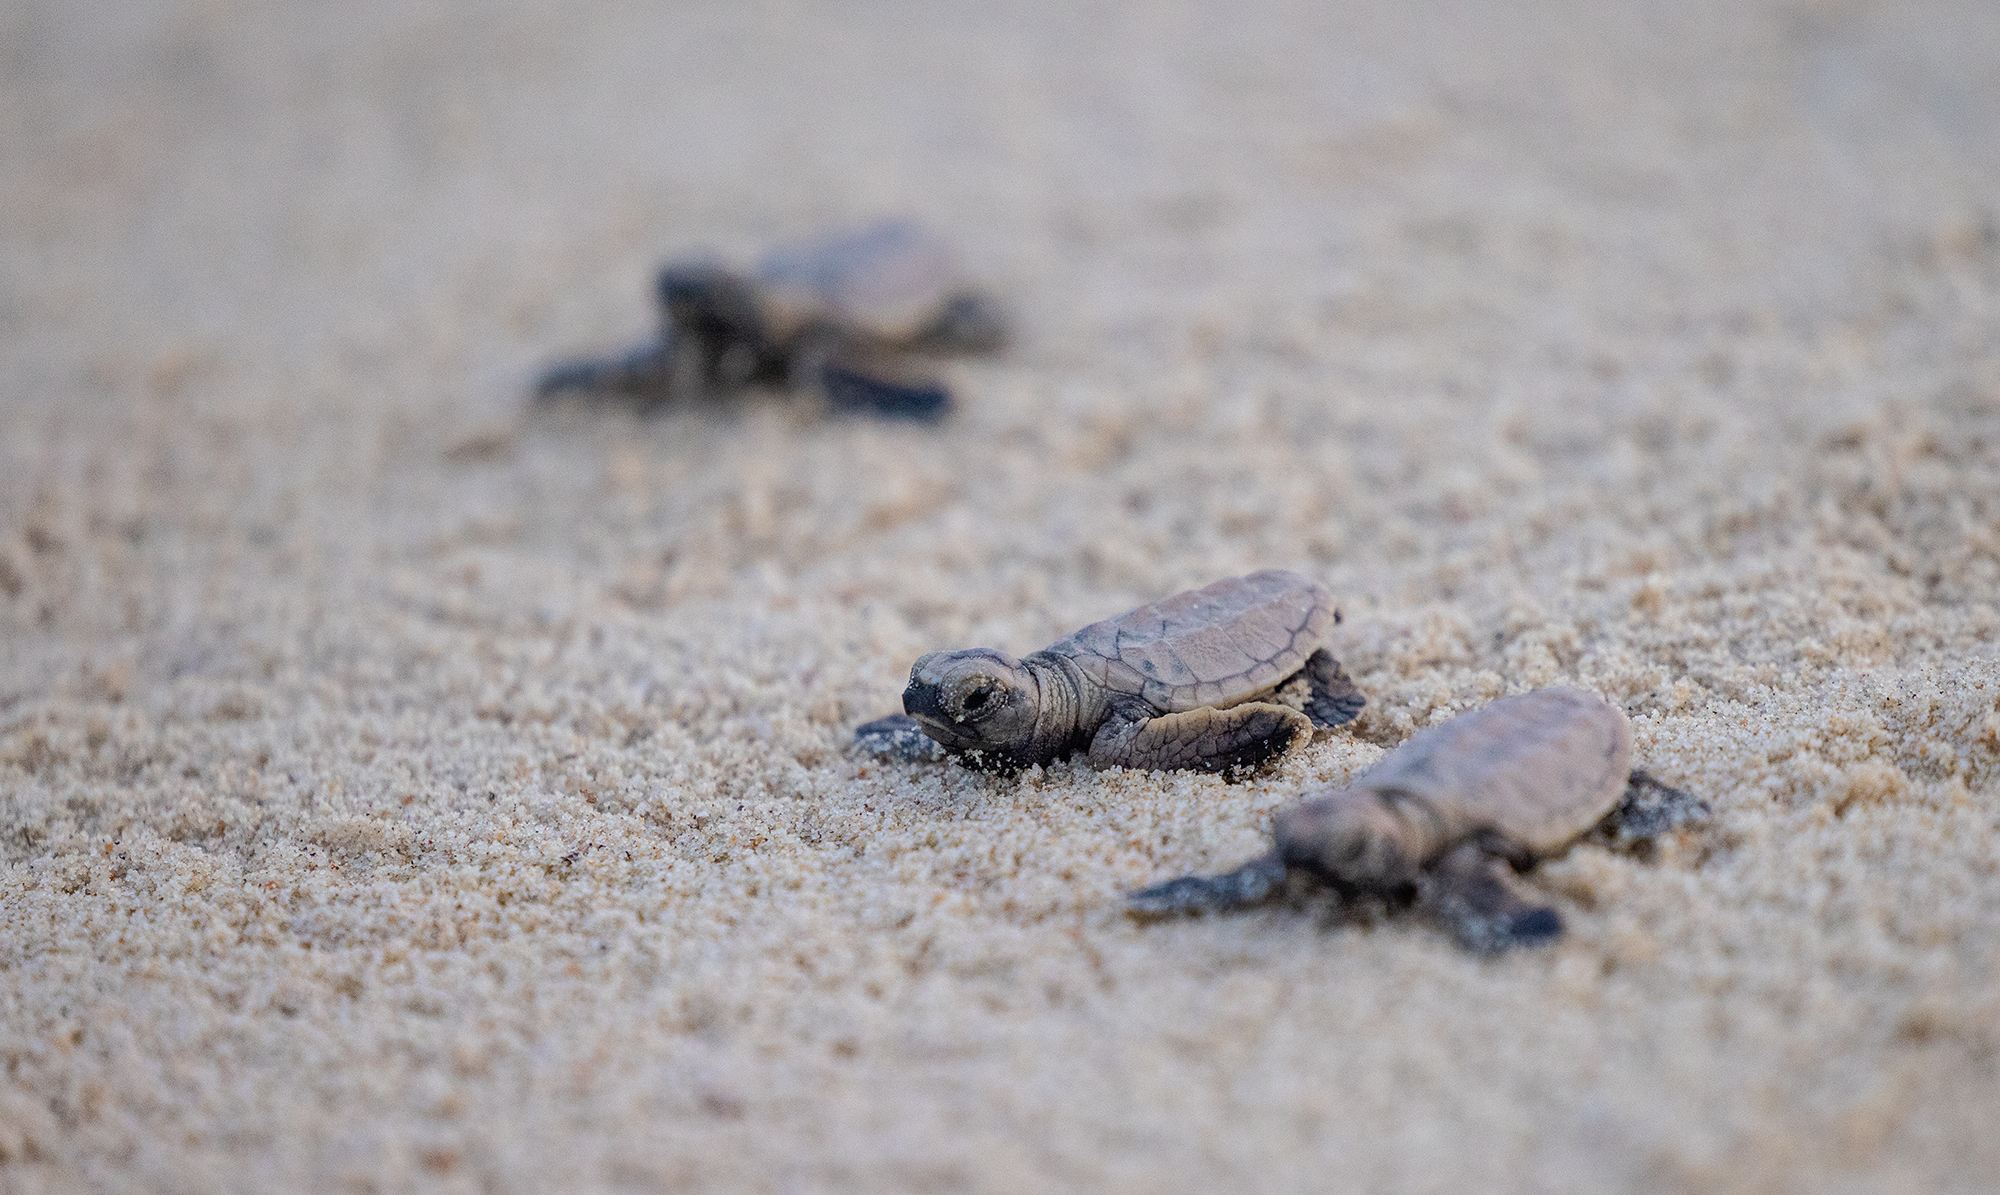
407,787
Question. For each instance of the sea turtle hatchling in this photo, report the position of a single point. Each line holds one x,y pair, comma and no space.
1200,680
1455,811
847,314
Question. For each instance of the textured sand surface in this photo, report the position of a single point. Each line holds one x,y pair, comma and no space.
404,790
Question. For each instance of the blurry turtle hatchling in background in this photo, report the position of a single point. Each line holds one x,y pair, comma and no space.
853,316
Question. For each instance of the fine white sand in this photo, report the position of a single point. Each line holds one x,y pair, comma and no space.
404,789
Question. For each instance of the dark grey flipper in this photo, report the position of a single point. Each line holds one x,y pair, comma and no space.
647,371
1334,700
1247,884
898,737
870,391
1473,893
1235,740
1650,808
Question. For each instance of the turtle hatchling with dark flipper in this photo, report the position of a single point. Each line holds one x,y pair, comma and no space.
1219,679
1455,812
852,316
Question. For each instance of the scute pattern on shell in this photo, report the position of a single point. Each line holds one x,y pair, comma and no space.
1218,645
1540,767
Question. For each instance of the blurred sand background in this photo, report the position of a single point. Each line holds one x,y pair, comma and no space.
401,789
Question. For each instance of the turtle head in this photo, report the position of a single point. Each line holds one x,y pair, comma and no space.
707,299
973,700
1354,836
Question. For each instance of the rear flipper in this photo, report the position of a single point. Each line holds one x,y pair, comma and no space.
1248,884
898,737
645,372
1472,891
1205,739
1650,808
876,386
1334,701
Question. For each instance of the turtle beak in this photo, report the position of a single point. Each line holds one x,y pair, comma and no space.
920,701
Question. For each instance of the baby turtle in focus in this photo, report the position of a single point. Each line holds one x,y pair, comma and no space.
847,314
1190,682
1454,812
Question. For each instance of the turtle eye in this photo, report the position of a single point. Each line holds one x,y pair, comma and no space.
977,699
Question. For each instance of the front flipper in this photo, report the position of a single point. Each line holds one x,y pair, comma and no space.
877,383
1334,701
1248,884
1650,808
898,737
645,372
1205,739
872,394
1472,891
